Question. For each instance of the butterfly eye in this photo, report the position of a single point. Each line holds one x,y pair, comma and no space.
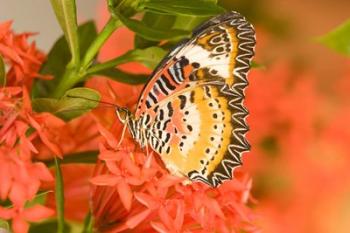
123,114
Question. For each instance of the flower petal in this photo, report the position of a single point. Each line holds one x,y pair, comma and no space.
111,140
113,168
169,180
130,166
18,194
135,220
37,213
105,180
27,106
166,218
108,155
134,180
6,213
159,227
180,214
214,206
5,180
147,200
41,171
125,194
9,52
19,225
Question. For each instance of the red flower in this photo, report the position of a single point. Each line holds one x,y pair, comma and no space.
17,117
24,59
135,193
20,216
19,179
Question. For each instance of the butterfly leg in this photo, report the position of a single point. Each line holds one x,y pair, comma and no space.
122,136
146,143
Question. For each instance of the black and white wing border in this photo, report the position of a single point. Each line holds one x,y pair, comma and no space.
236,93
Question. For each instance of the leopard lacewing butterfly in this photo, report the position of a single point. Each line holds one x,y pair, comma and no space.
191,111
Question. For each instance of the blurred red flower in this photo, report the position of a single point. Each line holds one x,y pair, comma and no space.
299,138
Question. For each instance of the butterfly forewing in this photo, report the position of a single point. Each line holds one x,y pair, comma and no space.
192,108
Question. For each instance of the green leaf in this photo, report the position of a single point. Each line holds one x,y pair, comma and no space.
256,65
150,57
151,33
65,11
47,226
338,39
85,157
59,57
2,72
156,21
183,7
4,225
59,195
166,23
39,198
128,7
120,76
142,43
88,223
74,103
5,203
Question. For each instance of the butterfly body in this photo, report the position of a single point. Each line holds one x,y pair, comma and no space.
191,111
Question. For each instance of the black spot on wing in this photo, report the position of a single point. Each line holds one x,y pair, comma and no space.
182,101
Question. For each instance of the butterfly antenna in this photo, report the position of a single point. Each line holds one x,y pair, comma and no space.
98,101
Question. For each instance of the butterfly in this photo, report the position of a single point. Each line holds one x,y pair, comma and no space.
191,111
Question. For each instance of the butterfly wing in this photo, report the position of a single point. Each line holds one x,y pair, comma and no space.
192,108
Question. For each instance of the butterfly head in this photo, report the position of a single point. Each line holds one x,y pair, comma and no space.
123,114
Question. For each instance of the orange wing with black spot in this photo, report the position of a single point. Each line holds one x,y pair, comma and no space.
192,108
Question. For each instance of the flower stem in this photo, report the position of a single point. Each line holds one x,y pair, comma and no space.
109,64
2,72
88,223
75,74
69,79
106,32
59,195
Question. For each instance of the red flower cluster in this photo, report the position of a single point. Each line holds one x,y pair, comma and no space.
21,129
135,193
24,59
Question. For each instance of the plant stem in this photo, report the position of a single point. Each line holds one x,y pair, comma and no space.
109,64
84,157
69,79
75,74
106,32
88,223
59,195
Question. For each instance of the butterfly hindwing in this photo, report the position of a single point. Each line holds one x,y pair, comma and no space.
192,108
